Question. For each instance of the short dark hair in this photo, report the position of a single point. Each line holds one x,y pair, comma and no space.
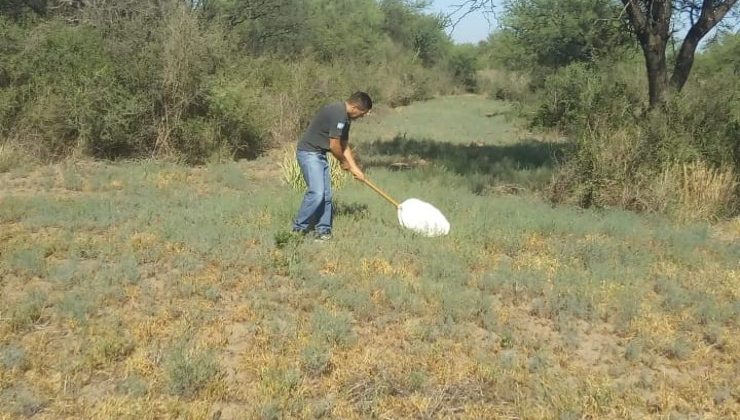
361,100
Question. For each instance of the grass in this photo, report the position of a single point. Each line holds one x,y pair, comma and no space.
148,289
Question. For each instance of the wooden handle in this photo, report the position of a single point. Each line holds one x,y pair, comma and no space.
379,191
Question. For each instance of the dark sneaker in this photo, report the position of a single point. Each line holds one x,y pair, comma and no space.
298,232
322,237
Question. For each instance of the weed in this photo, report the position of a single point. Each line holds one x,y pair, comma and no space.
286,258
21,401
29,261
461,305
365,391
674,296
357,301
316,358
78,304
335,329
280,382
228,175
65,273
128,268
134,386
633,351
680,348
721,396
418,380
189,370
108,342
213,293
71,178
398,294
539,361
29,310
13,357
322,408
10,158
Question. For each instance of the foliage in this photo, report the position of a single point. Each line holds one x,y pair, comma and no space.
206,80
540,36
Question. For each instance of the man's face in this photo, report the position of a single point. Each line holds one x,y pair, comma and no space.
356,112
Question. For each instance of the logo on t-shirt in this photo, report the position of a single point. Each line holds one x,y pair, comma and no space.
340,126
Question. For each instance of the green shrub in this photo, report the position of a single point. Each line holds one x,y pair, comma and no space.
13,357
189,370
335,329
315,359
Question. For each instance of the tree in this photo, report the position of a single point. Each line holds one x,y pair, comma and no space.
651,22
545,35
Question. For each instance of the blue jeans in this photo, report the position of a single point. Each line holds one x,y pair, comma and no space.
316,206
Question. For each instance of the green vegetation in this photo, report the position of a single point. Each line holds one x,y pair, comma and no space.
147,269
204,81
664,143
161,290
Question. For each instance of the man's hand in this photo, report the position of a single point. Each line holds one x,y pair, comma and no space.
357,173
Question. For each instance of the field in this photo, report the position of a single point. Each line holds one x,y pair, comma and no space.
154,290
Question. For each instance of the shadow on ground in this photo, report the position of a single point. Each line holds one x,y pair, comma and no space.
527,165
464,159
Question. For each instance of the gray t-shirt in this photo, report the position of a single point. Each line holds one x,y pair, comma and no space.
330,122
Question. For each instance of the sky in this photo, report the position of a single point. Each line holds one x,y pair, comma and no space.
473,28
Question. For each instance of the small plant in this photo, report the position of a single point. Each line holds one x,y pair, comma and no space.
228,175
111,345
356,300
29,261
316,358
13,357
335,329
633,351
71,179
10,158
189,370
21,401
280,381
418,379
77,304
134,386
292,175
28,311
680,349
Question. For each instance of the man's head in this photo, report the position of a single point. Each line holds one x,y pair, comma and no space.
358,105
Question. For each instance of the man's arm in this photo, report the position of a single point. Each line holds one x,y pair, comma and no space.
343,153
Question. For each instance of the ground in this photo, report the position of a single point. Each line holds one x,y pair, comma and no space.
155,290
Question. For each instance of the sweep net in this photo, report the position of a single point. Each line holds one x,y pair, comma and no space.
422,218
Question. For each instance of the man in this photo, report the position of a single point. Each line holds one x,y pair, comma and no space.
328,132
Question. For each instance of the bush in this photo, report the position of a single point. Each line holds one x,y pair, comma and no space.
161,79
682,159
189,371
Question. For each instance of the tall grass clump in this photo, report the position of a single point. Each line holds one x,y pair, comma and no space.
291,171
697,190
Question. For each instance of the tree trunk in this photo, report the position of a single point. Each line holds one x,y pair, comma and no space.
651,21
657,69
711,14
